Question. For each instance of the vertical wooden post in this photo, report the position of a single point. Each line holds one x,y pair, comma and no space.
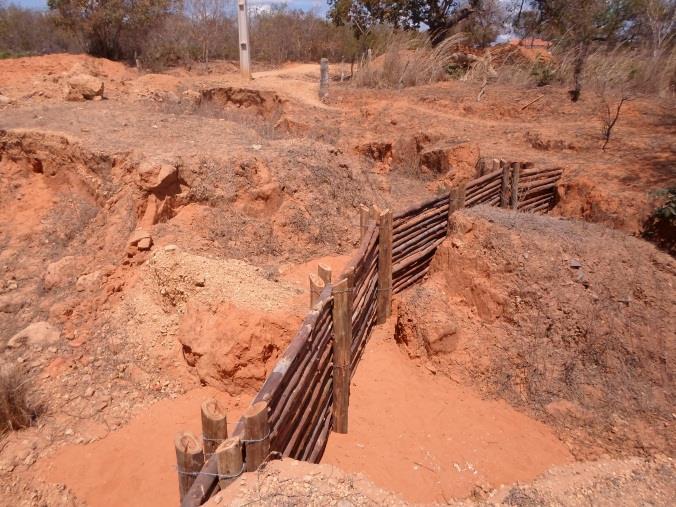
516,168
384,266
256,435
316,286
229,460
363,220
214,426
342,340
244,46
189,460
504,188
457,198
323,78
324,273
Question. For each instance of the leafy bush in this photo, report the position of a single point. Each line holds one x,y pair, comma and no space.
543,72
660,228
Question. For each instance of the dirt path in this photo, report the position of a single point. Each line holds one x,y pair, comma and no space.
429,439
299,81
136,465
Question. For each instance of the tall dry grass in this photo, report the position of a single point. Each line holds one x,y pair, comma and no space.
408,60
636,71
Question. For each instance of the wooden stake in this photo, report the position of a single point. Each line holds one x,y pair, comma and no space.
189,460
229,459
504,189
363,220
256,435
244,47
323,78
516,168
316,286
342,339
385,266
214,425
324,273
456,199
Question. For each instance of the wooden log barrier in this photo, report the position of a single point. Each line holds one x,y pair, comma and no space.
214,425
516,168
256,435
229,460
504,189
342,333
189,460
385,266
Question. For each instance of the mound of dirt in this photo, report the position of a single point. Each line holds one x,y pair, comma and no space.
570,321
605,483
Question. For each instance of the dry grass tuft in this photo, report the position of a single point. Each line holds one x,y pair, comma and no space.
638,71
409,60
16,411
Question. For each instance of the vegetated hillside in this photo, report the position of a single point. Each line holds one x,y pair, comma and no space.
570,321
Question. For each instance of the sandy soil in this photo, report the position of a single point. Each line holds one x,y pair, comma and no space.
160,239
439,440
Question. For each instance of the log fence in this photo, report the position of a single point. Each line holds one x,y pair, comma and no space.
306,395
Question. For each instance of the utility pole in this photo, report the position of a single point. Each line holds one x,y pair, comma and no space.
244,48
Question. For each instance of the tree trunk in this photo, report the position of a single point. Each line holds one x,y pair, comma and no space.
578,69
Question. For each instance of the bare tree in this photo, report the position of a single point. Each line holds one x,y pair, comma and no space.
660,18
208,17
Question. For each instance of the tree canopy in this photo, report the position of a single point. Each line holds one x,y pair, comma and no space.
438,15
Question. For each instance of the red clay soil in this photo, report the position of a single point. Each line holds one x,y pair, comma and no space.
428,438
135,466
570,322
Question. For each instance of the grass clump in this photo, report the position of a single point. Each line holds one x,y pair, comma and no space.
16,410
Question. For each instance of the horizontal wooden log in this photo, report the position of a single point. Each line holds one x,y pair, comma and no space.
484,189
543,208
416,221
549,201
487,195
361,290
318,425
291,397
358,258
362,323
287,424
483,179
536,182
322,393
299,420
419,241
540,188
406,283
535,171
363,311
418,254
416,229
420,207
370,323
536,199
320,445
